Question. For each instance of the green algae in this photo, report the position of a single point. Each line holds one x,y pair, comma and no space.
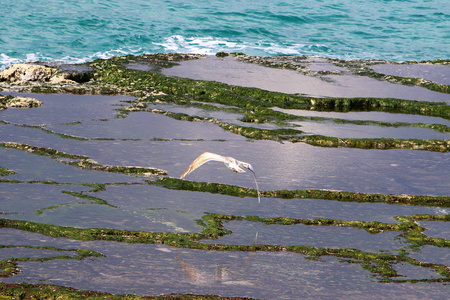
96,187
19,102
92,165
409,229
48,131
51,207
413,232
360,67
376,143
63,135
231,190
370,227
444,218
41,150
9,267
261,134
428,84
209,187
82,161
28,291
6,171
436,127
380,264
88,197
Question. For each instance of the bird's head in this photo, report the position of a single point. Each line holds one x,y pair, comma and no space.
246,166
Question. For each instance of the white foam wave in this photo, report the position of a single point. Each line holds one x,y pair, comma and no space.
6,61
180,44
197,45
211,45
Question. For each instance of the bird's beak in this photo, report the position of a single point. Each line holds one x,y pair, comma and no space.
250,168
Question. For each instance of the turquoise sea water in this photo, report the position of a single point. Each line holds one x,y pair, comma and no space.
82,30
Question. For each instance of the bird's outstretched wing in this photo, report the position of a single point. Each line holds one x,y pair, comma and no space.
204,158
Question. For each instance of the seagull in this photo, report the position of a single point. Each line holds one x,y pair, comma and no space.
231,163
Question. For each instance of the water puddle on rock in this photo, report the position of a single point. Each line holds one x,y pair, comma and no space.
145,126
65,108
436,73
366,116
368,131
32,167
437,229
246,233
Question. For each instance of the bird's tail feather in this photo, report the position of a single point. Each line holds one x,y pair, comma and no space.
257,188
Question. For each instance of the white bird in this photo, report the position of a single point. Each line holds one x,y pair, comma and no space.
230,162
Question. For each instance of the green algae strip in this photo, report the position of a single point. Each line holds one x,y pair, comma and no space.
44,291
6,171
237,191
91,165
231,190
81,195
41,150
9,267
376,143
48,131
360,67
82,161
428,84
437,127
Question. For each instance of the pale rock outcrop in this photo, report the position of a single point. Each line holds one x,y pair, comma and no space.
24,102
23,73
18,102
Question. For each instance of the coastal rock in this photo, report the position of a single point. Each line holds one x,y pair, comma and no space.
18,102
27,72
24,73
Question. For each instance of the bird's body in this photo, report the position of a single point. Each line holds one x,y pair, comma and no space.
231,163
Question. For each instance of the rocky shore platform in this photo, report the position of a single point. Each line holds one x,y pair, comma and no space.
351,158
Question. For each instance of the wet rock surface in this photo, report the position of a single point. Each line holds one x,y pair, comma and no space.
354,184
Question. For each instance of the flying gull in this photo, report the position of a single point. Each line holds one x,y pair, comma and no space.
230,162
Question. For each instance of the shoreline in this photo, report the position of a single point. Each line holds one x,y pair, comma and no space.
334,75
